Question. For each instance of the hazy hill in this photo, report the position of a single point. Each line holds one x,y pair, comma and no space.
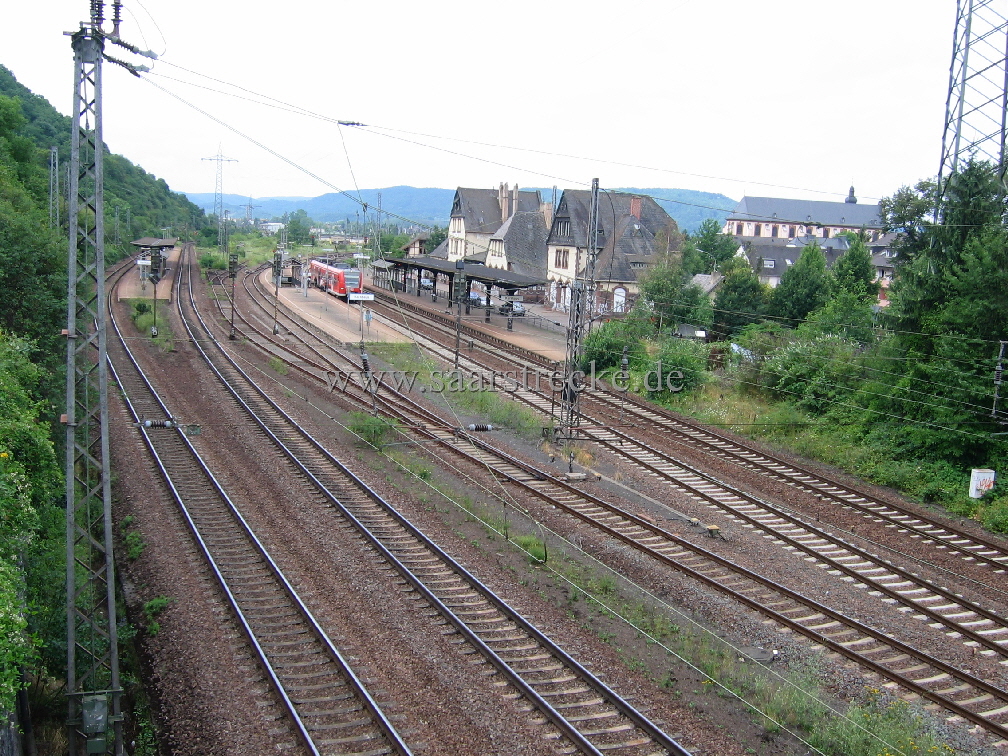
151,203
430,206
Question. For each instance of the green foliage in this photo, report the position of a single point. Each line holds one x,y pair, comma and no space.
847,314
740,301
804,287
675,355
134,545
30,481
299,227
853,272
373,431
151,610
534,548
391,244
908,213
708,249
435,236
673,299
995,516
604,345
813,372
877,727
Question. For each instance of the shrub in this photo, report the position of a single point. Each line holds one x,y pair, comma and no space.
373,431
685,356
995,516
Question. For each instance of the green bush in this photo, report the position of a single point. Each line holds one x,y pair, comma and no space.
676,356
995,516
373,431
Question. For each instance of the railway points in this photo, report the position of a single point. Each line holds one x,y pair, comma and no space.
523,477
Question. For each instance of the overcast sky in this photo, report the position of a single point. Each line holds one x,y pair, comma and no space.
791,98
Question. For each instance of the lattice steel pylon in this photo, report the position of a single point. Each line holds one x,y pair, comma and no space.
219,197
582,306
54,192
975,111
92,647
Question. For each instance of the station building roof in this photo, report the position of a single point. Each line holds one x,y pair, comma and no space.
474,271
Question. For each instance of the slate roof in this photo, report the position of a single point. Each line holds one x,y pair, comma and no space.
441,250
524,237
707,281
777,210
626,243
785,252
481,211
575,205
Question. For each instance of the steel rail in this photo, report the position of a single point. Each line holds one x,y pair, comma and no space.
569,729
182,442
908,683
716,443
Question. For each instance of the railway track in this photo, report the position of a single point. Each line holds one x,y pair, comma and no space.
982,628
330,708
918,527
584,713
963,694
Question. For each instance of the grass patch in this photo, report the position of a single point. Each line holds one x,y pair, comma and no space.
375,432
278,366
152,609
405,357
143,316
879,726
499,410
532,546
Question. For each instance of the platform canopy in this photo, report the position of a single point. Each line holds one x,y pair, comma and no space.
474,271
149,242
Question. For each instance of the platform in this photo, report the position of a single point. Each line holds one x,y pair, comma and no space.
131,287
539,330
337,318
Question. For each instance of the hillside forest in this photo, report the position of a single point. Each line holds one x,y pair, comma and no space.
33,310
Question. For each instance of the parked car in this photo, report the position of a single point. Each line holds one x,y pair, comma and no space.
515,309
426,283
476,300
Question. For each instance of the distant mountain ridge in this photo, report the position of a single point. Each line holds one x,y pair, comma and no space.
430,206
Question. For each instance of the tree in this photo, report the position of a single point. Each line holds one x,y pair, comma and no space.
740,300
906,214
29,485
854,271
708,249
435,236
803,288
299,227
673,299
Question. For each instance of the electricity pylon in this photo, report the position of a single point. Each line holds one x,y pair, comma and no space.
92,645
975,110
219,197
54,192
582,305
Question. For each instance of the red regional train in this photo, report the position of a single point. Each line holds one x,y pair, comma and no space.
339,279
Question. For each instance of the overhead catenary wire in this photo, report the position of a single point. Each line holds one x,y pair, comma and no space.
305,170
